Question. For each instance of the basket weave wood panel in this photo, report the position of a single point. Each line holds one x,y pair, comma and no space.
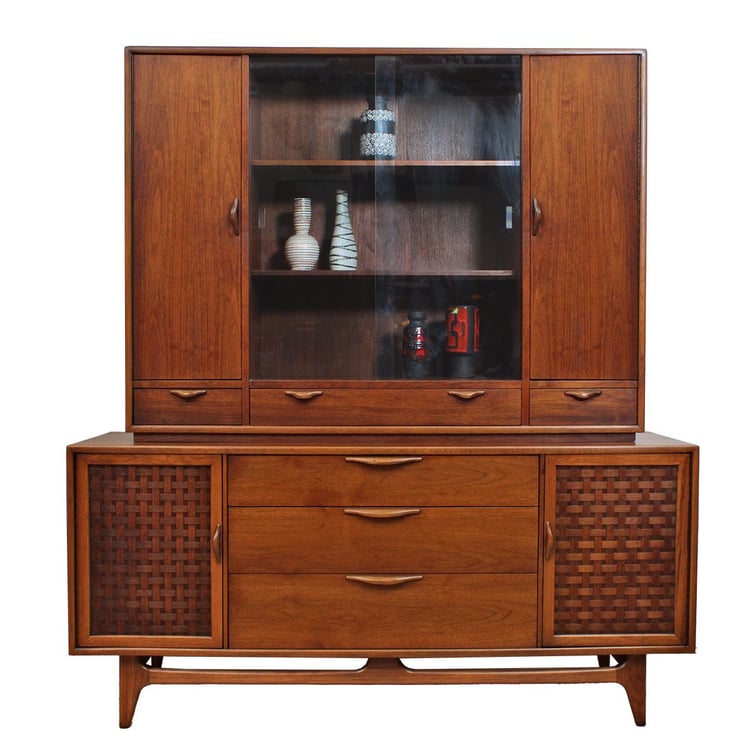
615,539
150,550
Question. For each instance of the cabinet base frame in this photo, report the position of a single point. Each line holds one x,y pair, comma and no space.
138,671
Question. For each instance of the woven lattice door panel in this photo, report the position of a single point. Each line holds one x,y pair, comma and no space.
616,534
150,562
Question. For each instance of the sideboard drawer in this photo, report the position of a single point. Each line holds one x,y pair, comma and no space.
399,406
382,540
354,480
187,406
583,406
430,612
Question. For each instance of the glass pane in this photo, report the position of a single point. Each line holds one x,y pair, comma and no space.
307,106
454,107
416,161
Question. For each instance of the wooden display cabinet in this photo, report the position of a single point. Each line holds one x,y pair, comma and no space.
516,186
286,485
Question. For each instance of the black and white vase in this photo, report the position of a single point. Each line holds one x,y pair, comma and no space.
378,137
343,254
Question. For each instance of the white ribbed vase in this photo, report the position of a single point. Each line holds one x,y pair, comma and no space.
343,255
301,249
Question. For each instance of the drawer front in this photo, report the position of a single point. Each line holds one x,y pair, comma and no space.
382,540
383,480
583,406
186,406
431,612
388,406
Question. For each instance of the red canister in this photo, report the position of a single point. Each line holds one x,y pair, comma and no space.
462,339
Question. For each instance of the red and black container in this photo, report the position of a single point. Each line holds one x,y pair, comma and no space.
462,340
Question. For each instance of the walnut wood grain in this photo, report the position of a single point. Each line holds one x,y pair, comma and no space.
186,173
297,480
187,406
331,540
328,611
629,671
617,572
585,254
147,570
373,406
583,406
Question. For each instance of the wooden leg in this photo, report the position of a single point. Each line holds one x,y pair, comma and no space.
630,671
133,678
632,676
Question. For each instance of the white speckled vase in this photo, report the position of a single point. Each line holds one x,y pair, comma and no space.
301,249
343,256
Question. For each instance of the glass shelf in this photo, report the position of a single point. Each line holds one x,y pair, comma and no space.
326,273
385,163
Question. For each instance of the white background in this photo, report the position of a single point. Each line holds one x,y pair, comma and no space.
62,322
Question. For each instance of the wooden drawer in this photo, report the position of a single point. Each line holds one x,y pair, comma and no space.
382,540
386,406
583,406
185,406
333,612
353,480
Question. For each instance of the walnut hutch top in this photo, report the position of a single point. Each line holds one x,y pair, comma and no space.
346,241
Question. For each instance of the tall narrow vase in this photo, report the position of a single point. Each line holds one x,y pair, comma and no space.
343,256
302,250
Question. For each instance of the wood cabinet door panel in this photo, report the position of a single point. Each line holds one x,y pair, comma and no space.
147,572
186,174
585,249
618,551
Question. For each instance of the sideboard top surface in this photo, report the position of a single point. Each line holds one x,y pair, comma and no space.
116,441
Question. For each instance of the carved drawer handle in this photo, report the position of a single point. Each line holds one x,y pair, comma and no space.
189,394
216,543
234,217
536,216
583,395
384,513
383,460
384,580
304,395
466,395
549,541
